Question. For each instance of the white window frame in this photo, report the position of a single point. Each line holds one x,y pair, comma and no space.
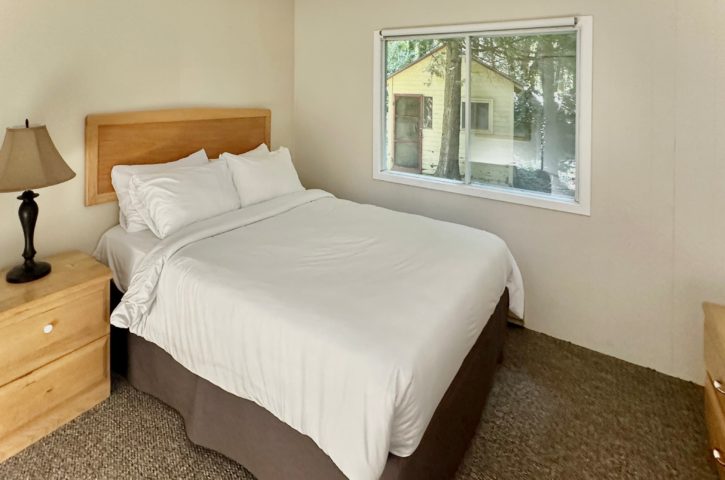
581,203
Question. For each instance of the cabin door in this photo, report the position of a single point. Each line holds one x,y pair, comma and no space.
408,134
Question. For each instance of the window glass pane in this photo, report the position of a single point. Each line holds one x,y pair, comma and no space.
522,106
406,155
407,106
479,113
423,93
531,83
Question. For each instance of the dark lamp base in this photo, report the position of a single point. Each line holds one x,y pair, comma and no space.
30,269
27,273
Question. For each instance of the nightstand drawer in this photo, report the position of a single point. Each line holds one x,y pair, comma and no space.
59,391
36,337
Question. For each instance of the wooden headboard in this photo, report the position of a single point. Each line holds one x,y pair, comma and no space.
161,136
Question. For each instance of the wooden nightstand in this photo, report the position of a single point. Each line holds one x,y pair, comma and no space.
54,349
714,383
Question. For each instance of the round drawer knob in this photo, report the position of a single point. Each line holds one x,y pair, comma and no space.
48,328
717,385
717,455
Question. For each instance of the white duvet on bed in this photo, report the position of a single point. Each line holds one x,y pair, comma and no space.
346,321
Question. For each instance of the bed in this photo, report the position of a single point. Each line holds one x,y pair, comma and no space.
305,336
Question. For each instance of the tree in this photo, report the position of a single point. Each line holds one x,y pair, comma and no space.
448,165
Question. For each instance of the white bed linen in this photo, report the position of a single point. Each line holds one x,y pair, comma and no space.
123,251
346,321
168,201
259,177
128,216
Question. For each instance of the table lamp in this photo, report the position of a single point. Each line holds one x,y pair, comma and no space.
28,160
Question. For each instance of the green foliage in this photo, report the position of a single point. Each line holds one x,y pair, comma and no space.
401,53
521,58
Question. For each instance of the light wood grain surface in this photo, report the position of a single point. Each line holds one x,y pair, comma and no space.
72,272
54,345
36,337
40,402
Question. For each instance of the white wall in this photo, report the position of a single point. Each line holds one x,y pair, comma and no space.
627,281
61,60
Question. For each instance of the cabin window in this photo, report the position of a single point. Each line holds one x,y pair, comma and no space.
481,115
523,86
428,112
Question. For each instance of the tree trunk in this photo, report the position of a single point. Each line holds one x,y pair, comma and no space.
450,138
552,134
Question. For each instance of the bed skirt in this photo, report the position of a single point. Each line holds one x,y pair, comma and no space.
272,450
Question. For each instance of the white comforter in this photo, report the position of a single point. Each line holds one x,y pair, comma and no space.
346,321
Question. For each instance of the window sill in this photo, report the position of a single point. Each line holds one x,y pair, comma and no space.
510,195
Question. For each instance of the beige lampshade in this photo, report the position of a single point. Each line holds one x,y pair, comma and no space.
28,160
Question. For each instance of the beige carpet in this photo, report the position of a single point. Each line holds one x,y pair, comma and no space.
556,411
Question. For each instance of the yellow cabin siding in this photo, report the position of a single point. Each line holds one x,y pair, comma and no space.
489,147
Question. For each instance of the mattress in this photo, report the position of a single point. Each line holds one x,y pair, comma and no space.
123,251
347,322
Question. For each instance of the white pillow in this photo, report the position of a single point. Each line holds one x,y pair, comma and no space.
259,177
129,218
261,149
171,200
